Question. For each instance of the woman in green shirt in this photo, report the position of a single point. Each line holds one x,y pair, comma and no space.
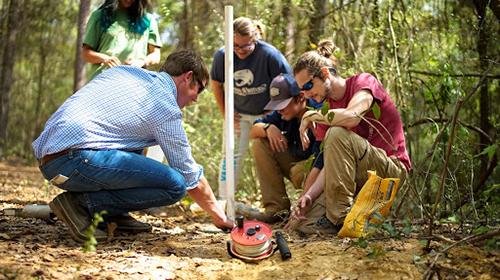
121,32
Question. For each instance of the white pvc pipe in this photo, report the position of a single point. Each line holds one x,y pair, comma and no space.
229,109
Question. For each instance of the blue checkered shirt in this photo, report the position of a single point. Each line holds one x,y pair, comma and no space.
124,108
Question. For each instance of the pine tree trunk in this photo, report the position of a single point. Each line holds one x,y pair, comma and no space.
80,77
317,23
7,68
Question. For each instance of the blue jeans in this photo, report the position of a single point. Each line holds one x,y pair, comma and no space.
117,181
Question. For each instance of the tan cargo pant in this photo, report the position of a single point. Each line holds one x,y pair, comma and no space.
272,168
348,157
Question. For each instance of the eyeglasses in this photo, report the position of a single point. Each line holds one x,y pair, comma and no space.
309,85
201,87
244,47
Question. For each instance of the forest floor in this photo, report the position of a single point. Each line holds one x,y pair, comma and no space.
185,246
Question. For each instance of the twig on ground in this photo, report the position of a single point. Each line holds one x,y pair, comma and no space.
471,239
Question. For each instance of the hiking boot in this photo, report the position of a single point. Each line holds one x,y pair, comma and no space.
126,223
268,217
322,226
69,208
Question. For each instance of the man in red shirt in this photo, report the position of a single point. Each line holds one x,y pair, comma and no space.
363,131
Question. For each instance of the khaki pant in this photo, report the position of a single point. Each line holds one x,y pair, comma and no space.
272,168
348,157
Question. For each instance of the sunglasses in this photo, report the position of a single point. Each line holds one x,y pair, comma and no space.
201,87
309,85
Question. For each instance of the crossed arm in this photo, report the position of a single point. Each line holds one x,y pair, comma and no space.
348,117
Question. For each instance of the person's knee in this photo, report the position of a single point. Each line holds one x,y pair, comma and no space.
176,185
260,147
337,133
258,144
298,173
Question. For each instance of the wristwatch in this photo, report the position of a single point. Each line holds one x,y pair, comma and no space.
266,126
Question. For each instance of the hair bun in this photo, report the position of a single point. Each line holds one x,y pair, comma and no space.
326,48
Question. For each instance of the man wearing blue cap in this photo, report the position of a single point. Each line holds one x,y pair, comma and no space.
277,148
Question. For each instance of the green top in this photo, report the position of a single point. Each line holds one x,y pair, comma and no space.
118,40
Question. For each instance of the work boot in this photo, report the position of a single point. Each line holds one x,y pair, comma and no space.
268,217
126,223
69,208
322,226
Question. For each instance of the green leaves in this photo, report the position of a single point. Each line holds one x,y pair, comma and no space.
329,116
90,244
376,110
490,151
325,108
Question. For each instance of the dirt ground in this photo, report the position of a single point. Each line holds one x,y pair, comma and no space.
184,246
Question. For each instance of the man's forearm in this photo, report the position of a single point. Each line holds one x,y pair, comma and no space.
205,198
317,187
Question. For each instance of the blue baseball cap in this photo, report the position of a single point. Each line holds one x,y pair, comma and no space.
283,88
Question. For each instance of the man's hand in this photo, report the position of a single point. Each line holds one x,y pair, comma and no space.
276,139
304,138
303,206
223,224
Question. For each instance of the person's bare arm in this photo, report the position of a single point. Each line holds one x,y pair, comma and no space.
205,198
311,178
94,57
218,89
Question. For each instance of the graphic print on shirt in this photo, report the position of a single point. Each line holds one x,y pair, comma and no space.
243,79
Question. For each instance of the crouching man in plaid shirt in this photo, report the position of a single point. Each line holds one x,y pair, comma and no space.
91,146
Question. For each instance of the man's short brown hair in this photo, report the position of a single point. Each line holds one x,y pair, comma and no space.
182,61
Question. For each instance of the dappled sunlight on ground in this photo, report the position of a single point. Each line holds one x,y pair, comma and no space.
185,246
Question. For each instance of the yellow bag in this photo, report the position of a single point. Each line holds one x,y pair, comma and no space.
372,205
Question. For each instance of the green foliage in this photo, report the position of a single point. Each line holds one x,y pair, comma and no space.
453,219
408,228
490,151
360,242
376,251
324,108
423,54
90,244
376,110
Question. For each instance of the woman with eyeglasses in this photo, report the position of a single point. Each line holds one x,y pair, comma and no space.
256,63
365,132
121,32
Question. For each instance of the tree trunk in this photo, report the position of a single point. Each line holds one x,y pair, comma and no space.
185,35
289,30
7,68
380,41
79,78
3,19
484,100
317,22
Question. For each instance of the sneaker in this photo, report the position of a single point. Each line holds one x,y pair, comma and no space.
126,223
69,208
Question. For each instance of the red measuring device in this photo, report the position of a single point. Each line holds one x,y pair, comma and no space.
252,241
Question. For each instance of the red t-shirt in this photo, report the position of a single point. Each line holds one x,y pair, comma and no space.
389,118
